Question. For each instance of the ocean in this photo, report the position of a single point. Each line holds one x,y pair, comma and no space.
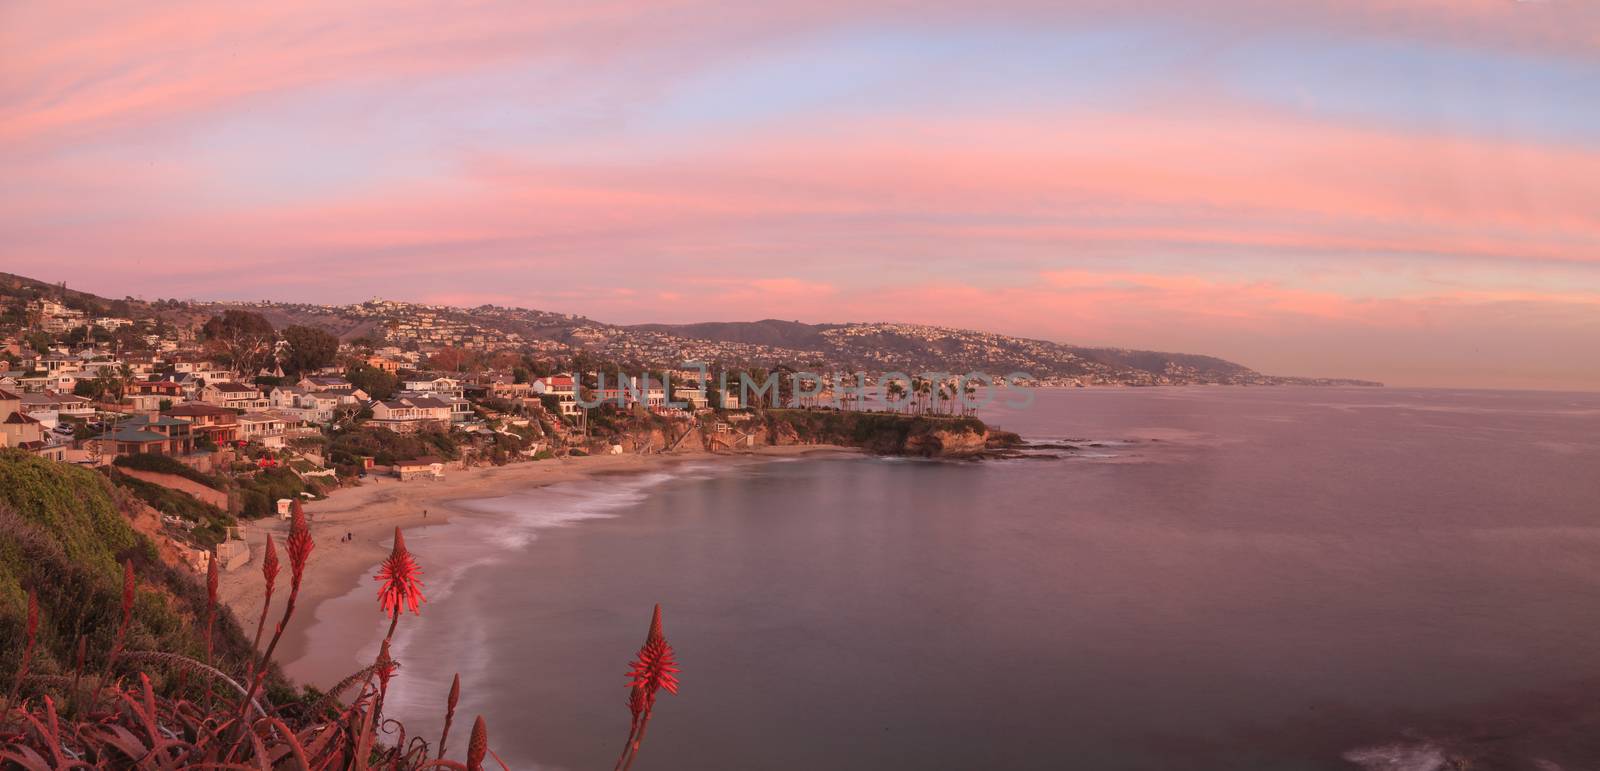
1215,578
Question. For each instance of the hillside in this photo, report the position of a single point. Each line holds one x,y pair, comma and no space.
64,531
918,348
871,347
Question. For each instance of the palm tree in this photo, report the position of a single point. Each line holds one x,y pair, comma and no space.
893,393
848,384
923,389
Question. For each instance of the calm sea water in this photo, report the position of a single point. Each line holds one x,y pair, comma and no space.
1220,579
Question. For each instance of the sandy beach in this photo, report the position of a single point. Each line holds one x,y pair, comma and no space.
369,513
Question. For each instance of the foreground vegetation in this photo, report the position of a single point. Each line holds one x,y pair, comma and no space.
113,660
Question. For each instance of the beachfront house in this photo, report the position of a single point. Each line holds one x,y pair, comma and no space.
265,426
564,388
425,467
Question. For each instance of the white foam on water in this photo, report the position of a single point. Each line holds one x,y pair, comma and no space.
498,529
1399,757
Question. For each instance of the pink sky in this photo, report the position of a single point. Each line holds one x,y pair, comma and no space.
1405,191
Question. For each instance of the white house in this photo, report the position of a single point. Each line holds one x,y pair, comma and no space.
438,386
237,396
410,413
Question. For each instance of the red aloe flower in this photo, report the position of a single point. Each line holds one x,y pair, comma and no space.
635,700
401,579
300,544
269,565
655,667
477,745
449,712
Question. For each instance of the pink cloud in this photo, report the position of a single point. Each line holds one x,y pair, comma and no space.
73,67
1119,228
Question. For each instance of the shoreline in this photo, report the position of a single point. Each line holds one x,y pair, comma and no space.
370,512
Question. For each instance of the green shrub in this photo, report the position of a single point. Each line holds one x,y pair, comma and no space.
386,447
63,532
259,494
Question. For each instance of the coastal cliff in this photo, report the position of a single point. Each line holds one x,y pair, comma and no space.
927,436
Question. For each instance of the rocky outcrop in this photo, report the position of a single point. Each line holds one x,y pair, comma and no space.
927,436
946,444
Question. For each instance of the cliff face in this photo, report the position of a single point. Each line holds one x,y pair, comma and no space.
947,444
927,436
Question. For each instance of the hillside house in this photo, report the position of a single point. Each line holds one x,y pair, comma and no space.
219,423
564,388
444,387
17,428
410,413
49,407
144,434
267,427
234,396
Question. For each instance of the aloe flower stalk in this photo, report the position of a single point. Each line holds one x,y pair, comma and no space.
269,572
122,629
653,669
449,712
385,669
211,604
300,546
211,615
401,583
477,745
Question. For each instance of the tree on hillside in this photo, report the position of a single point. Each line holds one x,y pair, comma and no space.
127,338
505,360
89,388
377,383
451,360
309,348
242,339
40,342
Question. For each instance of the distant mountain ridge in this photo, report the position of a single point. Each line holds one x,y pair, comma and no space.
917,347
869,347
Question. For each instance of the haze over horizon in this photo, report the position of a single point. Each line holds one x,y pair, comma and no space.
1404,192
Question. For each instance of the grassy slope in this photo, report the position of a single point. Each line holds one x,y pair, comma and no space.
63,533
